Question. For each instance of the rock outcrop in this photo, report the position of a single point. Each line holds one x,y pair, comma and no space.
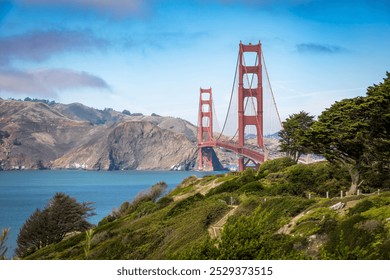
130,145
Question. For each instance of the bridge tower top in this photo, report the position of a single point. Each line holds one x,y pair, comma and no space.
205,133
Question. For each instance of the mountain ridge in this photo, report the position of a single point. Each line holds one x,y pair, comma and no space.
36,135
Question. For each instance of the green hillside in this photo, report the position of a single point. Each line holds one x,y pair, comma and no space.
278,212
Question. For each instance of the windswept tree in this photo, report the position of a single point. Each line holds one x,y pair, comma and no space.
62,215
293,138
355,133
34,234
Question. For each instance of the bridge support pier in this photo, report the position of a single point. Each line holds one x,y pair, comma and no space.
241,164
200,158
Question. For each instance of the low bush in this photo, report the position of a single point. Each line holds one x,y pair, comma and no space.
184,205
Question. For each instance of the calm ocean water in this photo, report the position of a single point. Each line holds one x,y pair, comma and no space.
21,192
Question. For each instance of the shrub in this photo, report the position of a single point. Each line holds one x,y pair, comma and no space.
150,195
164,201
361,207
226,187
252,187
299,179
184,205
273,166
356,238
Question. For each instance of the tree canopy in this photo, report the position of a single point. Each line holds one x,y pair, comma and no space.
293,135
62,215
354,132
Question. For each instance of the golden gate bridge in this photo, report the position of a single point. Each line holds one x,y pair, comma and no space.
250,104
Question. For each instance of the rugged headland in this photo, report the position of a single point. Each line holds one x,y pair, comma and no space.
35,135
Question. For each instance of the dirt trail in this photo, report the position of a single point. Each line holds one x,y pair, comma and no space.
216,229
198,189
286,229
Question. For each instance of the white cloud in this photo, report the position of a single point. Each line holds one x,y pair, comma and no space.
118,8
38,46
47,82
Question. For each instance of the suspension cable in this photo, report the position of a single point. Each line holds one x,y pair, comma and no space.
231,97
215,118
270,87
250,89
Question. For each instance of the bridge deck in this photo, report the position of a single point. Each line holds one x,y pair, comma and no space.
243,151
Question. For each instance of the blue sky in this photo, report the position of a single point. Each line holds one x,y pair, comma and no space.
152,56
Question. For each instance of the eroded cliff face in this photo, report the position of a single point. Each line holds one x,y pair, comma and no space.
35,135
130,145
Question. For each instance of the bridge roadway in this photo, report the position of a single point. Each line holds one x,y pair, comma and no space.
243,151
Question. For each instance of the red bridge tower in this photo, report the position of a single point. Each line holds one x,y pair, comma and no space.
255,96
205,127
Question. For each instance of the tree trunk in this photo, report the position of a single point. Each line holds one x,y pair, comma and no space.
355,177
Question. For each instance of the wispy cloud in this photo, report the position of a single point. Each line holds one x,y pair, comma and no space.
339,93
37,46
47,82
162,40
117,8
313,48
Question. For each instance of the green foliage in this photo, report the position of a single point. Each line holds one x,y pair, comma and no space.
363,233
62,215
361,207
252,187
293,136
164,202
45,101
186,186
273,219
205,250
88,239
182,190
152,194
273,166
315,221
253,236
356,238
143,203
246,177
3,239
299,179
355,133
377,106
226,187
184,205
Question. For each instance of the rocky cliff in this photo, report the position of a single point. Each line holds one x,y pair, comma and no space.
35,135
130,145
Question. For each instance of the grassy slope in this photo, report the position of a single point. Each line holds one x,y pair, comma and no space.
274,220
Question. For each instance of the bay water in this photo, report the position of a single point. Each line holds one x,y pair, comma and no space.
22,192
